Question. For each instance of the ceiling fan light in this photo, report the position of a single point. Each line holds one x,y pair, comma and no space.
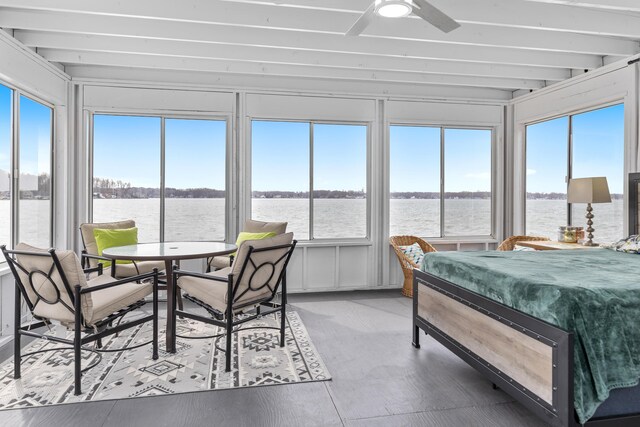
393,8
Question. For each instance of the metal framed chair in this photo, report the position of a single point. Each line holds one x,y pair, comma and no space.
250,226
90,257
250,284
55,289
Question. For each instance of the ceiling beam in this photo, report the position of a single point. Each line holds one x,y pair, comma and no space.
317,17
158,29
270,55
68,57
194,79
620,5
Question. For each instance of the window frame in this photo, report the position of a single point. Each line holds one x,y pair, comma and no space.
14,156
569,150
163,116
494,176
323,240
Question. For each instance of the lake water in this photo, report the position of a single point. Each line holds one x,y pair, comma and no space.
203,219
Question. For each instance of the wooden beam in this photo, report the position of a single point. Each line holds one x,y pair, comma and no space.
270,55
157,29
68,57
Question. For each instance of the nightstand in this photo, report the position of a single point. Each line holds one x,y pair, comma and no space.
549,245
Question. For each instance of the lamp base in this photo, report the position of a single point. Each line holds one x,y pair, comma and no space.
590,243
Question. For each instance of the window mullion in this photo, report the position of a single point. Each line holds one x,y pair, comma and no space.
569,165
442,182
311,142
162,177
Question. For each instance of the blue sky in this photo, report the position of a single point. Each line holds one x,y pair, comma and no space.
128,148
35,137
281,156
598,150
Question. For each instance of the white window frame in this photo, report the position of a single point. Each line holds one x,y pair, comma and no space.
14,147
494,177
311,122
163,116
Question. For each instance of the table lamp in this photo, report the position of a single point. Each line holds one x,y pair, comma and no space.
589,190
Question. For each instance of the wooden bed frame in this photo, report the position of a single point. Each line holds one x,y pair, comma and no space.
526,357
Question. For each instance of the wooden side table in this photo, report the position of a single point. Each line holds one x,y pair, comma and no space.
549,245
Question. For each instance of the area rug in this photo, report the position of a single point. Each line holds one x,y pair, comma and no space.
198,364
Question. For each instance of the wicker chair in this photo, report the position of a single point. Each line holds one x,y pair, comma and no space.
510,243
407,264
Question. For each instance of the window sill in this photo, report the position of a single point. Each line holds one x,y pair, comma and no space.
334,242
461,240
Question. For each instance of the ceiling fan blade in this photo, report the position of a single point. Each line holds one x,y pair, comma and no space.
434,16
362,22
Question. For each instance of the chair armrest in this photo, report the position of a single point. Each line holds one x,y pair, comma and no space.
137,278
98,257
98,269
177,273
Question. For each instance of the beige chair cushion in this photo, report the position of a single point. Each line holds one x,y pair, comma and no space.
220,262
252,226
253,279
89,239
214,292
128,270
40,284
110,300
211,292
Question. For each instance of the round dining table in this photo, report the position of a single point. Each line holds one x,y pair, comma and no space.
169,252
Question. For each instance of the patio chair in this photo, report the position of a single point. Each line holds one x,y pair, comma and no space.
56,290
248,285
91,257
250,226
510,243
406,263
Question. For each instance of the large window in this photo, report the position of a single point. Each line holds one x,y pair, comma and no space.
440,181
313,175
5,166
576,146
138,169
28,152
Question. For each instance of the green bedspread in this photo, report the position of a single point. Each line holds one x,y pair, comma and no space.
593,293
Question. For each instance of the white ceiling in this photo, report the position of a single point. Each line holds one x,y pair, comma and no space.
507,45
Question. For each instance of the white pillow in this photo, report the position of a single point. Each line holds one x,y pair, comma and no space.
413,252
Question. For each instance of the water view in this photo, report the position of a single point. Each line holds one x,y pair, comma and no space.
203,219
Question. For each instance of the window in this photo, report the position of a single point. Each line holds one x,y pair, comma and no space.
28,153
312,175
545,175
195,179
434,201
128,162
576,146
5,165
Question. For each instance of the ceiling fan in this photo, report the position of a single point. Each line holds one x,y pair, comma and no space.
402,8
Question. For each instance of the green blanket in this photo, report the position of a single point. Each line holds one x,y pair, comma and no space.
593,293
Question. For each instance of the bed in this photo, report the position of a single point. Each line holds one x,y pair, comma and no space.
558,330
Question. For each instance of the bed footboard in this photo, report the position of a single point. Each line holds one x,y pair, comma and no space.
526,357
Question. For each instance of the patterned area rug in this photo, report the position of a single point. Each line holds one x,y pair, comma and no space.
198,364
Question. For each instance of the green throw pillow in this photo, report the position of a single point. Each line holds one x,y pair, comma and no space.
252,236
110,237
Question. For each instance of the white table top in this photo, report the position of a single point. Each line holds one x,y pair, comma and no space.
169,250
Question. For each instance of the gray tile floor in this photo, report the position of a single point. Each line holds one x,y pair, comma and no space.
379,379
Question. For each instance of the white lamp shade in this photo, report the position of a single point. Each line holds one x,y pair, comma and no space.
589,190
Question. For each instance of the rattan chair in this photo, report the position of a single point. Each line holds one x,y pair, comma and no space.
406,264
511,242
